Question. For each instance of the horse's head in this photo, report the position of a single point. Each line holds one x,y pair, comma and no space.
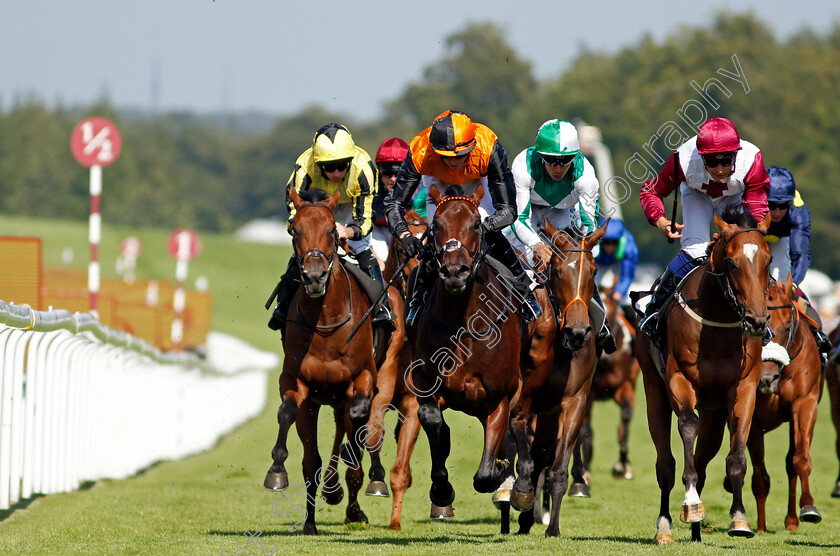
783,321
314,238
458,237
741,259
572,282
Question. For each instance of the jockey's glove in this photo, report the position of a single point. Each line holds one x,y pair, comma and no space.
499,220
410,246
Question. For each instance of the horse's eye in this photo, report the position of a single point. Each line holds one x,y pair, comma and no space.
477,225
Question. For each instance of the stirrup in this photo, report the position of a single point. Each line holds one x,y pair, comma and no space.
277,320
384,318
531,309
606,341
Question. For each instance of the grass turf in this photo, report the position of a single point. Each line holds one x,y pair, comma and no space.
206,503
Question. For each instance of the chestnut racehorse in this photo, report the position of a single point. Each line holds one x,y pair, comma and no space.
832,382
417,225
320,367
559,399
793,397
712,365
615,379
465,354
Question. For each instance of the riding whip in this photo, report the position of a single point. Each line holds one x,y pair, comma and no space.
676,194
375,303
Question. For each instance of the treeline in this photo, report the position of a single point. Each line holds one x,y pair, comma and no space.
179,170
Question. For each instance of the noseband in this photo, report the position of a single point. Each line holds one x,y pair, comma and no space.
723,277
315,252
453,244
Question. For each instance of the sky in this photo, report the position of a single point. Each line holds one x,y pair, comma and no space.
278,56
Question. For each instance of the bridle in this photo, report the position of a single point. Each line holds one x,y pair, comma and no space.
723,276
453,244
315,252
793,327
562,318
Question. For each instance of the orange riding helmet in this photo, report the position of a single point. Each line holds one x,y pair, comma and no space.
452,134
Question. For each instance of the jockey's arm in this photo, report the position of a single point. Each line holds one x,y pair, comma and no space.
800,240
362,194
654,191
502,190
399,199
523,184
298,177
588,189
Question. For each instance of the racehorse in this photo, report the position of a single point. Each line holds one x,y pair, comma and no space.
832,382
417,226
615,378
465,354
790,396
559,400
320,366
711,362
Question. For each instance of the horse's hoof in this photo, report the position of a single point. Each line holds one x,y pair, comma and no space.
809,514
442,512
500,497
356,525
276,481
663,538
693,513
579,490
522,501
628,471
442,500
618,470
377,488
740,528
309,529
836,492
355,515
333,497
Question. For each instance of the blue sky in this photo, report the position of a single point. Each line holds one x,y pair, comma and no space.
279,56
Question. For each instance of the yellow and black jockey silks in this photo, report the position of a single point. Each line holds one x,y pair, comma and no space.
358,186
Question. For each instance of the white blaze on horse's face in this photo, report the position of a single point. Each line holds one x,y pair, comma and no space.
452,245
750,249
573,264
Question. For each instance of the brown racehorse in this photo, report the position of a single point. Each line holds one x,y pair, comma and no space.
320,367
417,225
465,354
790,396
615,379
832,382
560,399
712,364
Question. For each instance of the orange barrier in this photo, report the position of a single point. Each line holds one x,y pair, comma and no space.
21,275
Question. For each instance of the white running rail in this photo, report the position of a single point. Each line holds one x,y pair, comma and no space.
81,402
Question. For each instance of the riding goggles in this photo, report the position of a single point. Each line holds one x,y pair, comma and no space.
338,166
557,160
776,206
713,161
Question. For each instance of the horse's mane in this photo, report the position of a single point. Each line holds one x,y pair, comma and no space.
736,214
454,191
412,215
313,195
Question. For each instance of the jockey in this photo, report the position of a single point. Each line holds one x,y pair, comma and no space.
456,151
618,254
335,162
389,157
789,238
717,170
555,182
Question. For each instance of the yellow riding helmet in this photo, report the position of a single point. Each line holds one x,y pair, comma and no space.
452,134
332,142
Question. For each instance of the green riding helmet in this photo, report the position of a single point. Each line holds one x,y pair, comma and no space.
558,138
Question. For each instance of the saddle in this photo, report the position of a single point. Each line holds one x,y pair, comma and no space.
370,286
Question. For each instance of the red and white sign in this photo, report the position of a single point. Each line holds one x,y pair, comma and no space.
184,244
131,247
95,142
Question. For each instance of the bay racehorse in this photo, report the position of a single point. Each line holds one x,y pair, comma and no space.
320,367
711,364
465,354
559,399
791,396
417,226
614,379
832,382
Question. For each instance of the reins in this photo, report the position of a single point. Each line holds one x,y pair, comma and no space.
793,327
723,276
577,297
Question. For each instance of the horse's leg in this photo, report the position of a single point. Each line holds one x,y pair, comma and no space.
307,428
741,401
573,409
545,436
437,431
688,423
356,417
331,489
832,383
760,477
502,496
293,392
518,446
802,431
659,425
625,397
712,425
401,471
487,478
579,488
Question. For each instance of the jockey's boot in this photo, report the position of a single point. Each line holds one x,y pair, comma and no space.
823,343
418,295
384,317
523,282
665,286
605,338
286,289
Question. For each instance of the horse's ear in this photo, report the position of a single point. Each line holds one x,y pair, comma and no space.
435,194
332,201
596,236
549,229
477,196
764,224
720,223
296,200
789,284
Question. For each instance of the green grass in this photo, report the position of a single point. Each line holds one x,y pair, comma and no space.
204,504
